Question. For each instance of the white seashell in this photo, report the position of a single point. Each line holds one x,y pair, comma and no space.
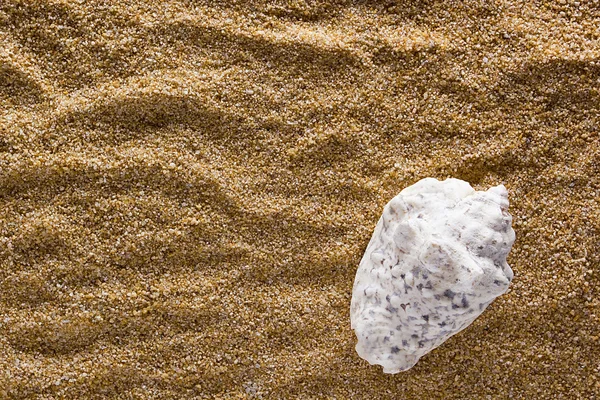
436,260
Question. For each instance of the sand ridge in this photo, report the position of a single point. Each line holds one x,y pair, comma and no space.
187,188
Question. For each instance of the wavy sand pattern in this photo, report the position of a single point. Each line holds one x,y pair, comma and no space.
186,190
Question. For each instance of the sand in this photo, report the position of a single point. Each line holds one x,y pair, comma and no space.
187,188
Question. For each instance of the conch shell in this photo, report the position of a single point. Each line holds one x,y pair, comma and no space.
436,260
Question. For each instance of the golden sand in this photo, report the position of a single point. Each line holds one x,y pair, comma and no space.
186,191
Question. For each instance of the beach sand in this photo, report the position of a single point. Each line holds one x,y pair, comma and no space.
187,188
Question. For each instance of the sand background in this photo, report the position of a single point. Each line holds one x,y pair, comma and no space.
187,188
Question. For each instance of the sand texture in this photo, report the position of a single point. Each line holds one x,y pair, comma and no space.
187,188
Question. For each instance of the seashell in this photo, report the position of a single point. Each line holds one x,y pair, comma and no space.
436,260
